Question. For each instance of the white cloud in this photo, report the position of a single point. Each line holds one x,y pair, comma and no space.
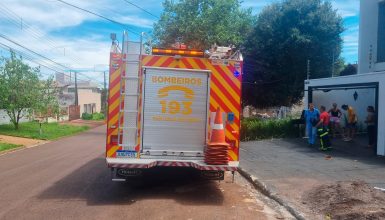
45,16
347,8
137,21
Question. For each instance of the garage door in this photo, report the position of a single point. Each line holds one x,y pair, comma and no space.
175,111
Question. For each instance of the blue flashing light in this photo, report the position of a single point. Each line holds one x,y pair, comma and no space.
236,73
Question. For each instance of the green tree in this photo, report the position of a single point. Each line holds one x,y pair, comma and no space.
349,69
21,91
286,35
48,103
201,23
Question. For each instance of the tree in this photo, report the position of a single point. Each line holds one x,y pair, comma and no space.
349,70
48,104
201,23
285,37
21,91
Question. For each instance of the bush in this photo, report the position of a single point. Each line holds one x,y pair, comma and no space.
98,116
94,116
86,116
258,129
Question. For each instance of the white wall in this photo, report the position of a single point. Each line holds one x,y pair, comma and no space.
4,119
365,98
356,79
367,55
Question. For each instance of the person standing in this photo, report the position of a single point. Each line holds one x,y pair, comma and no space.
371,126
351,122
323,131
311,119
335,120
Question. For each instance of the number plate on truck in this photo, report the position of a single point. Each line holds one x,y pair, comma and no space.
126,153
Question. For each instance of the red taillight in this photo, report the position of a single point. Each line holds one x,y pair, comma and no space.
114,140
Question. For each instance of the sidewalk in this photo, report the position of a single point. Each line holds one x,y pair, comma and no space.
90,123
288,168
24,142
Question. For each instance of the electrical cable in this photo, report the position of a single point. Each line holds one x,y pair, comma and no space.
128,2
100,16
13,17
42,56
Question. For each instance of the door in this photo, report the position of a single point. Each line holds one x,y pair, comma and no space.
175,111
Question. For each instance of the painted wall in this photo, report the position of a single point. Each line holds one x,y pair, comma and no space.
4,119
86,96
378,77
365,97
367,55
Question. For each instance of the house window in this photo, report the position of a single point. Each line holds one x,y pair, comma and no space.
381,33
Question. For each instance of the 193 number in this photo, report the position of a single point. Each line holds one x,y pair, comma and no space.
175,107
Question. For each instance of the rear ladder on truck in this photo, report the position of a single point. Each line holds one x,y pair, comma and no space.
129,99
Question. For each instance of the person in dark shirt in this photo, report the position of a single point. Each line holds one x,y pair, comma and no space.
371,123
335,120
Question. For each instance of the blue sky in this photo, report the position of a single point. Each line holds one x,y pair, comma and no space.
76,39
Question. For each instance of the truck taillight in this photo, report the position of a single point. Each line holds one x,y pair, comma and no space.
114,139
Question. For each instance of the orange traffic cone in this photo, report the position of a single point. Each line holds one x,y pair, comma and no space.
217,149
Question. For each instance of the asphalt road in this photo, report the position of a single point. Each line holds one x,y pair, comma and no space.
68,179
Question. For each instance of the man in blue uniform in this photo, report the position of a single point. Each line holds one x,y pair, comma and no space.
312,116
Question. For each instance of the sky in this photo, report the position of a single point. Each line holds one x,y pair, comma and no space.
69,38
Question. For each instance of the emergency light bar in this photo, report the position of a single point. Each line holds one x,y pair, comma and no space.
181,52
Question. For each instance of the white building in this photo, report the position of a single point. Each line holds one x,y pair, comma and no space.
372,36
368,86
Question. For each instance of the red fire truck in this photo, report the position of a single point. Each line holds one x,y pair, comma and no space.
161,108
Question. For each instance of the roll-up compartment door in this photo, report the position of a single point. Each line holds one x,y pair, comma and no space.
175,111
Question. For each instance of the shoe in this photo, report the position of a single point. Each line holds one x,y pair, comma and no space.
322,149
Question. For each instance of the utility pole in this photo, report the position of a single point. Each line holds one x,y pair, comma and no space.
333,61
104,82
308,69
104,95
76,90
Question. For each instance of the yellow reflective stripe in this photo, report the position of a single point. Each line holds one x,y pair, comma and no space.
112,150
233,156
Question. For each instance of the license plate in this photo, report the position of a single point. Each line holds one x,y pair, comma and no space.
126,153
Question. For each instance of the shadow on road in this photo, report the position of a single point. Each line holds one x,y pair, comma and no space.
92,183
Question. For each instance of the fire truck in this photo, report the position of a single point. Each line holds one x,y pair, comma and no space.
162,103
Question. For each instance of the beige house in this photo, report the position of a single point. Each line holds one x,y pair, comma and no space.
89,95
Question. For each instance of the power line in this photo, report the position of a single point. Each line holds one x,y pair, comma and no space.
42,56
31,59
14,18
141,9
98,15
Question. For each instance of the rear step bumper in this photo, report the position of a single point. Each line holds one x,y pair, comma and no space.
148,163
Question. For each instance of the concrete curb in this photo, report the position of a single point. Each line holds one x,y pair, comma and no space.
2,153
264,189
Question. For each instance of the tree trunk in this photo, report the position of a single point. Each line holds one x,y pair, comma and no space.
17,119
16,124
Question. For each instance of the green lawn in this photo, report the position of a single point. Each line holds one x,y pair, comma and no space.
50,131
6,146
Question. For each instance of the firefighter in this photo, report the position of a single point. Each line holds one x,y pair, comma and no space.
323,130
